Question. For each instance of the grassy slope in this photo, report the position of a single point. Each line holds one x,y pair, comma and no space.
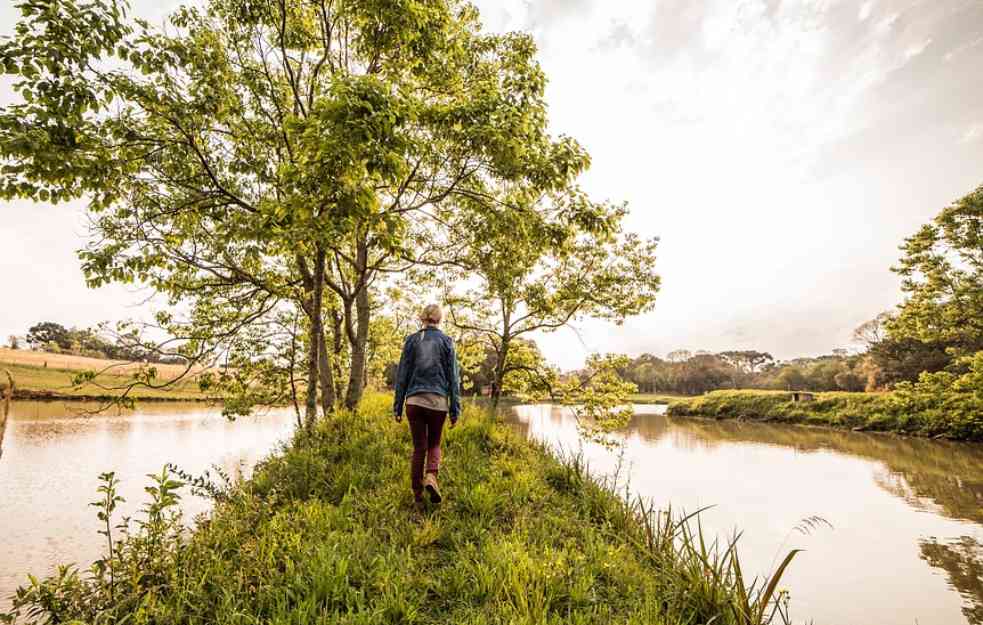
327,532
655,398
860,411
36,381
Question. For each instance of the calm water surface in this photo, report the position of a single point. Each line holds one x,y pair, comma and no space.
906,543
52,459
905,547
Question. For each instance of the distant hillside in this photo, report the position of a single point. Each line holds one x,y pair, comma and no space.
44,375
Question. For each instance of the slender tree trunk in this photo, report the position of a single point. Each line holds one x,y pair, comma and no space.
356,383
327,377
339,345
503,356
293,378
316,336
357,329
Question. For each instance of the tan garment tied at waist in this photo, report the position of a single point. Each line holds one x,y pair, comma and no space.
433,401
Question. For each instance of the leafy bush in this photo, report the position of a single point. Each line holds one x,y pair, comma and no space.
947,404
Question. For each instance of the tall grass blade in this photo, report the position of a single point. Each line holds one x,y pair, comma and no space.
745,606
765,598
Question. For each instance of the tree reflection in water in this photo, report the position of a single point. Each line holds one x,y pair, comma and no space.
962,560
941,475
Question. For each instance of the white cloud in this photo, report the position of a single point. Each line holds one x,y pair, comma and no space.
888,22
865,10
962,48
973,133
916,49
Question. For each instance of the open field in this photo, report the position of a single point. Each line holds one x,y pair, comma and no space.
42,375
70,362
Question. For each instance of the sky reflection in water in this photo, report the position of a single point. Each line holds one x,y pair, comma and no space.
906,544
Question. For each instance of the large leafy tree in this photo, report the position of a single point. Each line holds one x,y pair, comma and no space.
41,334
903,359
563,259
259,155
746,363
942,272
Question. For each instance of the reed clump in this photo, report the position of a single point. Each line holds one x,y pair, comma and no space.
327,532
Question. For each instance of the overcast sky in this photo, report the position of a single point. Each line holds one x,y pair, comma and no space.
780,150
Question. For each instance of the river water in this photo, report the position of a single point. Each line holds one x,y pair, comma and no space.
903,543
52,458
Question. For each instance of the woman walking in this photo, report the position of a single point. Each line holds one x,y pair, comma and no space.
429,383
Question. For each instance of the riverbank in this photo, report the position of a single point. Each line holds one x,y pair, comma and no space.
48,377
654,398
326,531
871,412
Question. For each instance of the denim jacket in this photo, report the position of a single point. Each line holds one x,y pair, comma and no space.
428,365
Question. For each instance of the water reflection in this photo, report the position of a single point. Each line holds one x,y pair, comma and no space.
941,476
52,459
907,514
962,560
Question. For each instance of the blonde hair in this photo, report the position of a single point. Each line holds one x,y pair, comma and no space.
432,314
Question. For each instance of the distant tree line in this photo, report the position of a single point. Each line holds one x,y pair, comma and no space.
886,358
688,373
55,338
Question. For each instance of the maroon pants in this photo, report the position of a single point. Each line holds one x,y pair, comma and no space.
426,426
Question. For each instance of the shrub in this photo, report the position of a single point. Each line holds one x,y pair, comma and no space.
947,404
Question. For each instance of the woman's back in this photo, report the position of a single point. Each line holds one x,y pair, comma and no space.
428,384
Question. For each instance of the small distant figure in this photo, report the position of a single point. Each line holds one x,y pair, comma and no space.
428,381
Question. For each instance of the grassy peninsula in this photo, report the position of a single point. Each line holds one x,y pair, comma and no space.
326,532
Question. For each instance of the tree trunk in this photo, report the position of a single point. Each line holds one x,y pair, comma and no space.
502,357
316,337
357,329
356,383
327,377
293,379
339,345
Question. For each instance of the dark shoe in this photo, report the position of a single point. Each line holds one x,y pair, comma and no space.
430,484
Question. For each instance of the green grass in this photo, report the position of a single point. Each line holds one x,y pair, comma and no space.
327,532
859,411
51,383
655,398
